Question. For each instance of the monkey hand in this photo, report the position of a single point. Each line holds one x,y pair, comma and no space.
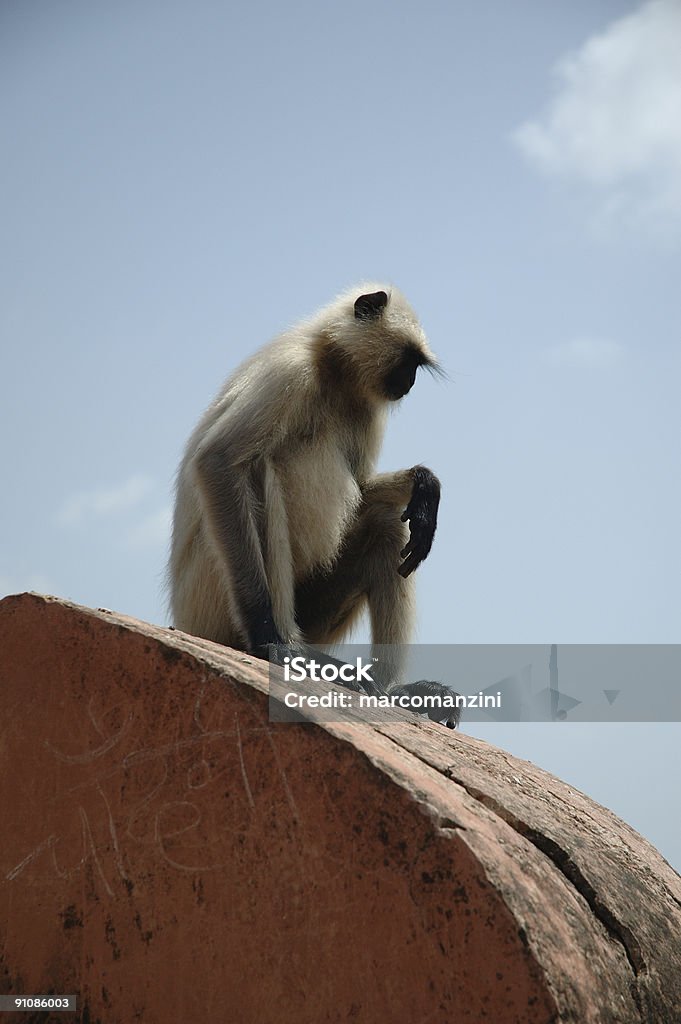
422,515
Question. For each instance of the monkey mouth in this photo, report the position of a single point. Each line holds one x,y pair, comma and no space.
400,380
394,392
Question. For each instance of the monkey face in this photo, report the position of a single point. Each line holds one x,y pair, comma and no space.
400,380
374,342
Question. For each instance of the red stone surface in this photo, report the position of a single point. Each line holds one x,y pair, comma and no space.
168,854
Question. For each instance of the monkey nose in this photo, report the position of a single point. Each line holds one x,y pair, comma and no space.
400,381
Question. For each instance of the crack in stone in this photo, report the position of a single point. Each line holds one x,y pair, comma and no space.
569,869
562,860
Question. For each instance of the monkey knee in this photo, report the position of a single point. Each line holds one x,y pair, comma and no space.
386,534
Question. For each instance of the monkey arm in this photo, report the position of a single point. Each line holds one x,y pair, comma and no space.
235,478
228,496
278,555
419,490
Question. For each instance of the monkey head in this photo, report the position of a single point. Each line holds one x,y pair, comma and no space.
381,340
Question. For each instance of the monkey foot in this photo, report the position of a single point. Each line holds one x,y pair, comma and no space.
450,716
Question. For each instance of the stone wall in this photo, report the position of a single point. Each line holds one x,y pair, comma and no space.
169,854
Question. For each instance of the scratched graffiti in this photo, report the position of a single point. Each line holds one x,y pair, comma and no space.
179,802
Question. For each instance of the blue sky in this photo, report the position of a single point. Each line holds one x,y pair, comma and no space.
182,181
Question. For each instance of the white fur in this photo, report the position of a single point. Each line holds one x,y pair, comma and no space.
315,460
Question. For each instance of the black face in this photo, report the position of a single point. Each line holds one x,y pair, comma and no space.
400,380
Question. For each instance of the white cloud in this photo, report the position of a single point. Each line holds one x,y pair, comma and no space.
615,118
152,531
104,501
589,353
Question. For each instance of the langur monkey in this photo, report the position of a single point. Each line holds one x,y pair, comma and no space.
283,533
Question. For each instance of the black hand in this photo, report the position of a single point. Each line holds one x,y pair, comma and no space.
422,515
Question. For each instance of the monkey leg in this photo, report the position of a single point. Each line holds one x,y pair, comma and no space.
366,574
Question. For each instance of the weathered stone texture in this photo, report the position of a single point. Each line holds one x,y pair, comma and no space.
170,855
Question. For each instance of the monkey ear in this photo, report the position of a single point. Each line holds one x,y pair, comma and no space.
369,307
